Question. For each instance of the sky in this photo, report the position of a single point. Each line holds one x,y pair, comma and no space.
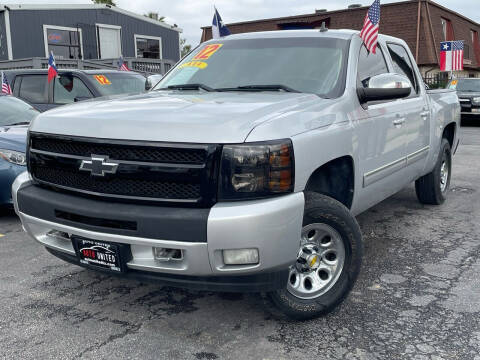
190,15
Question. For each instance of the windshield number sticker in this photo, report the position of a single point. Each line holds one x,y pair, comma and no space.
196,64
207,52
102,79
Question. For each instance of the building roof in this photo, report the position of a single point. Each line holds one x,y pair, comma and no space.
300,18
16,7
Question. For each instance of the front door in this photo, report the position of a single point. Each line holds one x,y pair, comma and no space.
381,138
109,41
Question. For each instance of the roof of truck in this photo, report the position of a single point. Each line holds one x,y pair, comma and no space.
346,34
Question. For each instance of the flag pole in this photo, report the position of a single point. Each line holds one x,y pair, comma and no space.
216,19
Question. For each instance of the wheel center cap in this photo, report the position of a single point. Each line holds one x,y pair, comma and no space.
313,261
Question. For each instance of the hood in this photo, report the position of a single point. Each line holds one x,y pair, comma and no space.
173,116
468,95
13,138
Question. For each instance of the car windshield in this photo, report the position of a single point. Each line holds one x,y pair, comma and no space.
15,111
465,85
308,65
118,83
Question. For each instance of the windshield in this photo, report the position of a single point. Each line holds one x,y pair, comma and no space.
15,111
118,83
465,85
309,65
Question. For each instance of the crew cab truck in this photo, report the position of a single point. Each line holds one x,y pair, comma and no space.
72,85
244,168
468,91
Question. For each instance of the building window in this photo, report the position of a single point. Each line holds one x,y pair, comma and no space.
65,43
148,47
447,30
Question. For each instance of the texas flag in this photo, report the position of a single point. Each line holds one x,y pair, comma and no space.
219,29
52,68
451,55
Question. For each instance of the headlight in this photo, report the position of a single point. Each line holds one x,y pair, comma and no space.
256,170
13,157
476,100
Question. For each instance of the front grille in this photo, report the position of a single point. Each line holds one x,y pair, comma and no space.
121,151
172,173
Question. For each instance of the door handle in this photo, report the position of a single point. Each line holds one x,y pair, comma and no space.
398,122
424,115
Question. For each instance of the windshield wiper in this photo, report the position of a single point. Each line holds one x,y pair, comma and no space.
188,87
19,123
260,88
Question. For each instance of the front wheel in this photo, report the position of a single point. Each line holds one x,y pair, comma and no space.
432,188
328,260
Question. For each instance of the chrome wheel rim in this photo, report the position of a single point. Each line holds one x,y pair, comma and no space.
320,261
444,176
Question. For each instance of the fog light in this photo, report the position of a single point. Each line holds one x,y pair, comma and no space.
164,254
240,257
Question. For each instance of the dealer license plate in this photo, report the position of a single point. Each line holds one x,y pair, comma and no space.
99,254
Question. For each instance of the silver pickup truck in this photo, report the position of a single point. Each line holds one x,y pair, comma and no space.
244,168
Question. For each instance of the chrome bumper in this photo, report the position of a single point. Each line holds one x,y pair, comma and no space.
272,226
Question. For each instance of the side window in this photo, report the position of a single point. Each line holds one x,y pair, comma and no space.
402,63
369,65
67,88
34,88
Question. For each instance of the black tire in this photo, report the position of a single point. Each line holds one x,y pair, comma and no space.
323,209
429,187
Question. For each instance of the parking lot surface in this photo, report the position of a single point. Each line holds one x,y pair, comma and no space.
418,296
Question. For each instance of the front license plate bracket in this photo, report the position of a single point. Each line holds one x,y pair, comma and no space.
109,256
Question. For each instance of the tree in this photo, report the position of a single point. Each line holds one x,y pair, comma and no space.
185,48
107,2
154,16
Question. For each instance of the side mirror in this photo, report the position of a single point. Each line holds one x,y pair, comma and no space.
81,98
385,87
148,84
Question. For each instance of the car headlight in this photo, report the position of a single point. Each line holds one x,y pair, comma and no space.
256,170
14,157
476,100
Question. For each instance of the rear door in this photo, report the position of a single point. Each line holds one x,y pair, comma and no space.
416,110
33,88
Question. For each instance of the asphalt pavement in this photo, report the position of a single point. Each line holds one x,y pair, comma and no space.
417,297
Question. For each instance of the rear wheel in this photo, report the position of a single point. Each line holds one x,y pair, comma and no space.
328,260
432,188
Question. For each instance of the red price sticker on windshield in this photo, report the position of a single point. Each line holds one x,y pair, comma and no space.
207,52
102,79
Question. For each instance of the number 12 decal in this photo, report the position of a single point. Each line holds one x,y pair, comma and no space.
207,52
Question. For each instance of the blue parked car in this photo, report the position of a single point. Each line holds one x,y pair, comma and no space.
15,116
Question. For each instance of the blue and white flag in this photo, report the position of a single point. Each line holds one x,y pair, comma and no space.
218,27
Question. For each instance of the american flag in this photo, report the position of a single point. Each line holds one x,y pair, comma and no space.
52,68
369,33
457,55
121,65
6,89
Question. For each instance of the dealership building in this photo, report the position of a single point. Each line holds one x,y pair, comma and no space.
84,31
423,24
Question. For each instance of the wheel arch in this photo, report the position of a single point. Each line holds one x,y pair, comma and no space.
335,179
449,133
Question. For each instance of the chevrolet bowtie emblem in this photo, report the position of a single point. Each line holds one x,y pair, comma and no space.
99,166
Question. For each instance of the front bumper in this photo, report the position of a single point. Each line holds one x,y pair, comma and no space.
272,226
8,173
